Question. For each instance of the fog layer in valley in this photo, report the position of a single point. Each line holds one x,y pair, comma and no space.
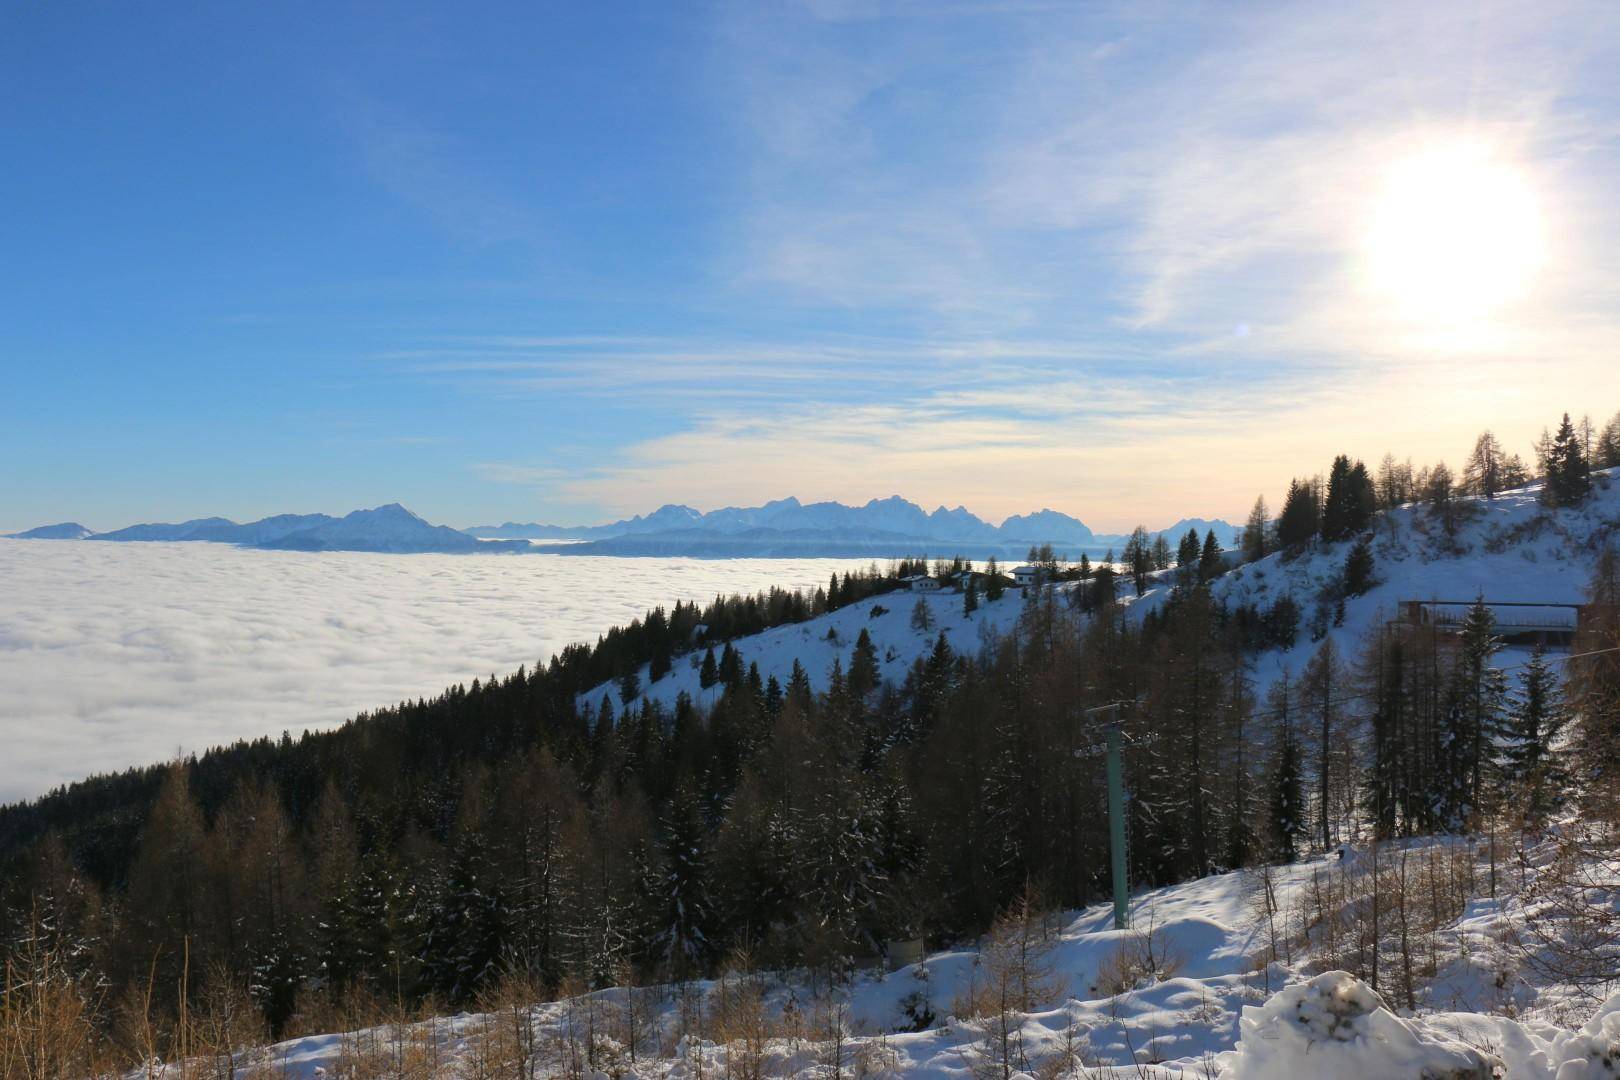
122,654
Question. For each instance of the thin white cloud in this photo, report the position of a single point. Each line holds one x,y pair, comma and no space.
429,169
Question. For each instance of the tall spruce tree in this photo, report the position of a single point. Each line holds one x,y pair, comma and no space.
1480,708
1209,558
685,910
1530,767
1358,568
1286,812
1565,464
1300,520
1187,551
1341,506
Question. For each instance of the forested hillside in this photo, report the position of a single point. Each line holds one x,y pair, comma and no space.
570,827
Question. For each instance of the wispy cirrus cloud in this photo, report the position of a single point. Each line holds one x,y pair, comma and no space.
431,169
1110,257
1181,175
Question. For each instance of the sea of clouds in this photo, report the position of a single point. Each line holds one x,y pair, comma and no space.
123,654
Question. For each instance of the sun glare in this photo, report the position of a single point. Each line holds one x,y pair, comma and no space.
1455,235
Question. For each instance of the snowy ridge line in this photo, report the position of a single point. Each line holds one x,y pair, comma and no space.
1486,557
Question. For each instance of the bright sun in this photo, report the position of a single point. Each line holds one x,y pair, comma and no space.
1455,234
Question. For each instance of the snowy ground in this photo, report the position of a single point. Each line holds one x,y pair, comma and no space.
1507,549
819,641
1215,1007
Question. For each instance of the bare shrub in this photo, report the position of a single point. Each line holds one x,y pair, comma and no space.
1146,955
228,1025
1014,975
48,1016
738,1019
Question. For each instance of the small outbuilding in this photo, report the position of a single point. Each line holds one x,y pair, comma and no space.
1026,576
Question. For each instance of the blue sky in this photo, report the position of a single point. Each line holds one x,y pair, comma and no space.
564,262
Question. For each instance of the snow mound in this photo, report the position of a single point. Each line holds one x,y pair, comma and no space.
1335,1027
1593,1053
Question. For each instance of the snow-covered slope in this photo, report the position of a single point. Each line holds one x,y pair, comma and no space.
817,642
1213,1001
1509,548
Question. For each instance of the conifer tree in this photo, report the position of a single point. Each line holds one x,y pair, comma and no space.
1161,552
1321,685
922,616
1398,786
1607,451
682,942
730,669
1358,568
166,885
1139,558
1483,472
1438,493
993,585
709,673
1594,691
1187,552
1535,722
863,667
970,597
1568,472
1300,520
1341,506
1287,805
1395,483
1209,558
1479,710
1104,589
463,942
1255,543
1363,502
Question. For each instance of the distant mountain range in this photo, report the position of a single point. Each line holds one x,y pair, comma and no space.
390,528
882,528
67,530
